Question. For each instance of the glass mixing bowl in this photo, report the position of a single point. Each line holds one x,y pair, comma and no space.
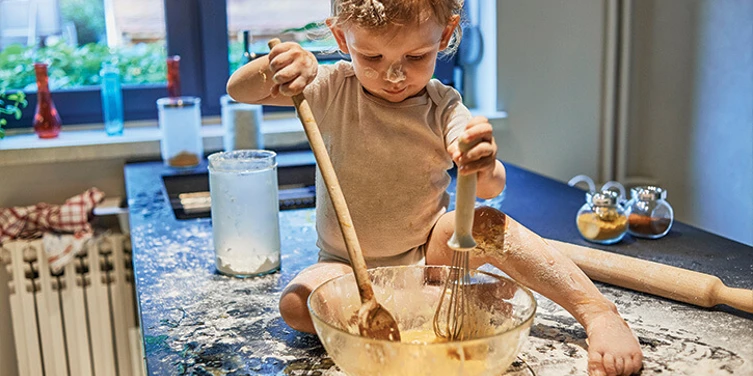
501,314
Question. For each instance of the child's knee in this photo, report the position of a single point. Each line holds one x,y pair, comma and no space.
487,218
489,228
293,308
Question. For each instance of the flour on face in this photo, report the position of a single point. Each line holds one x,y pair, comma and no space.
370,73
395,73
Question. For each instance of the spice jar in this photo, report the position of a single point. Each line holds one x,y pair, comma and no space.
602,219
180,124
651,216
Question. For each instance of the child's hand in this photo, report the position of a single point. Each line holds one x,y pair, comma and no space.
482,157
293,68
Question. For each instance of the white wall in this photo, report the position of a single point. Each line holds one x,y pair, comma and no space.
56,182
549,57
691,116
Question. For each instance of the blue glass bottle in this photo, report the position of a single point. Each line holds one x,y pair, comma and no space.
112,99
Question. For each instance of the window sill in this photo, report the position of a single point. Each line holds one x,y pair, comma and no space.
491,115
498,119
140,140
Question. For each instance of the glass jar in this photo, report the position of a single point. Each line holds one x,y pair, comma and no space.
602,219
180,124
241,124
245,212
651,216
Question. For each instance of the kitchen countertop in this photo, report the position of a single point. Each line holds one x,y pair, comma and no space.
195,321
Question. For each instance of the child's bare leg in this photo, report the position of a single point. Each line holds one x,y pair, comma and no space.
437,251
293,299
530,260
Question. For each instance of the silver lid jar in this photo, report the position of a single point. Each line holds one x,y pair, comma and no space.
180,124
651,216
241,123
602,219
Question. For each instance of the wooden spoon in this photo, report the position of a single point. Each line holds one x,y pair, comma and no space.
374,321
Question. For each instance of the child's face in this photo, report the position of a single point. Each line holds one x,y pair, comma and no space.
396,64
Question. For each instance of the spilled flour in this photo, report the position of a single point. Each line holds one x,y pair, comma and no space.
676,339
196,321
716,343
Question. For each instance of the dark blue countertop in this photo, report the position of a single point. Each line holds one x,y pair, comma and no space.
195,321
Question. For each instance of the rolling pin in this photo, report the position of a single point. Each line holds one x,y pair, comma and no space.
669,282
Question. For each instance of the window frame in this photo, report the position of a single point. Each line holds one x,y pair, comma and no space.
203,70
197,31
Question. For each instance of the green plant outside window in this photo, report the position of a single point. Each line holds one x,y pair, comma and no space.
79,66
10,106
72,67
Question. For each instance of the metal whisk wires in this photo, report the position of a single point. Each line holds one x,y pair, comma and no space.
453,303
453,306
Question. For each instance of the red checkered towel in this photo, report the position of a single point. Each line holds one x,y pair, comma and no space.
32,221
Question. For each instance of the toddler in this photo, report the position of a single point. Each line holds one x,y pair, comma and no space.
392,133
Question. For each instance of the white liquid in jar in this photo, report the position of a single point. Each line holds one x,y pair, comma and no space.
245,224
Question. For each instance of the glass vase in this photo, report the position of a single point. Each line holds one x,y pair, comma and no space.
47,122
173,76
112,99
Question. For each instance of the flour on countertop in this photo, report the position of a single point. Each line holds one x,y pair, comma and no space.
196,321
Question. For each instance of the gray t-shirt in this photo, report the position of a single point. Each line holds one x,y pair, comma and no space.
391,161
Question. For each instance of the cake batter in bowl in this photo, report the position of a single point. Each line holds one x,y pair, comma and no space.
500,319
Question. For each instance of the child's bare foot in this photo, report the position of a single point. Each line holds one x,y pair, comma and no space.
532,261
612,347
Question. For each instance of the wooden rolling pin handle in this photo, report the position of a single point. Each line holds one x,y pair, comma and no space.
741,299
670,282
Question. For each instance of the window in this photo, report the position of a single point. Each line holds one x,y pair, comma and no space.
139,34
251,23
75,37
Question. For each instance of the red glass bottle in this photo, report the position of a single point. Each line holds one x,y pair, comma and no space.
173,76
47,122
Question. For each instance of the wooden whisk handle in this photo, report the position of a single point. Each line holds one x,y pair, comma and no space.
465,202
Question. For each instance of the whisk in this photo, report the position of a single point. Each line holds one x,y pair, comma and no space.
453,303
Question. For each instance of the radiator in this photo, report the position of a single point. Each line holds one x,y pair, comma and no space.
77,322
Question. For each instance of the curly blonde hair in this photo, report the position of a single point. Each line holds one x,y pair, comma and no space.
376,14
